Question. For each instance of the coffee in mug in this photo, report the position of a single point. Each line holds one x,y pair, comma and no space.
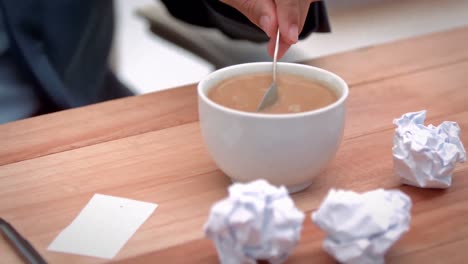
295,93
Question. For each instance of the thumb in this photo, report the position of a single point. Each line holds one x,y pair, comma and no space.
260,12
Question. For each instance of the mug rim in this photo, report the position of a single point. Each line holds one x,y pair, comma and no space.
201,93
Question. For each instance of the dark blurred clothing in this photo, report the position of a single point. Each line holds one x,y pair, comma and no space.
54,54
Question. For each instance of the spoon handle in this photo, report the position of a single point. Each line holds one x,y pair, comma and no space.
275,55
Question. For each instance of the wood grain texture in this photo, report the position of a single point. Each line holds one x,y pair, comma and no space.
162,159
138,167
116,119
384,61
75,128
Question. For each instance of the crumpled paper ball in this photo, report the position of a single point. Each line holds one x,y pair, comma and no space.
258,221
362,227
425,156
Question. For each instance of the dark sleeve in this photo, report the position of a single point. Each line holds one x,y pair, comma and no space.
215,14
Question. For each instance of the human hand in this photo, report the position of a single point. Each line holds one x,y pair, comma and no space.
289,15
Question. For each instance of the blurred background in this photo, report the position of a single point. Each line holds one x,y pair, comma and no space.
148,62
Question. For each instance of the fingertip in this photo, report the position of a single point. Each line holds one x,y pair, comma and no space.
283,48
289,16
289,35
293,33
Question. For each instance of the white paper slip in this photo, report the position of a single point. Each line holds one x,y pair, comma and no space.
103,227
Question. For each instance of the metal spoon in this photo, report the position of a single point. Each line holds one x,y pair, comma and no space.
271,95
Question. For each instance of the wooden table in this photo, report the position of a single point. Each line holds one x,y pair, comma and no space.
149,148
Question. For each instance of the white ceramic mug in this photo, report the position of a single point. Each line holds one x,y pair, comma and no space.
284,149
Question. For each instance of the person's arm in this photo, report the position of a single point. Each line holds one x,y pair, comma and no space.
242,19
